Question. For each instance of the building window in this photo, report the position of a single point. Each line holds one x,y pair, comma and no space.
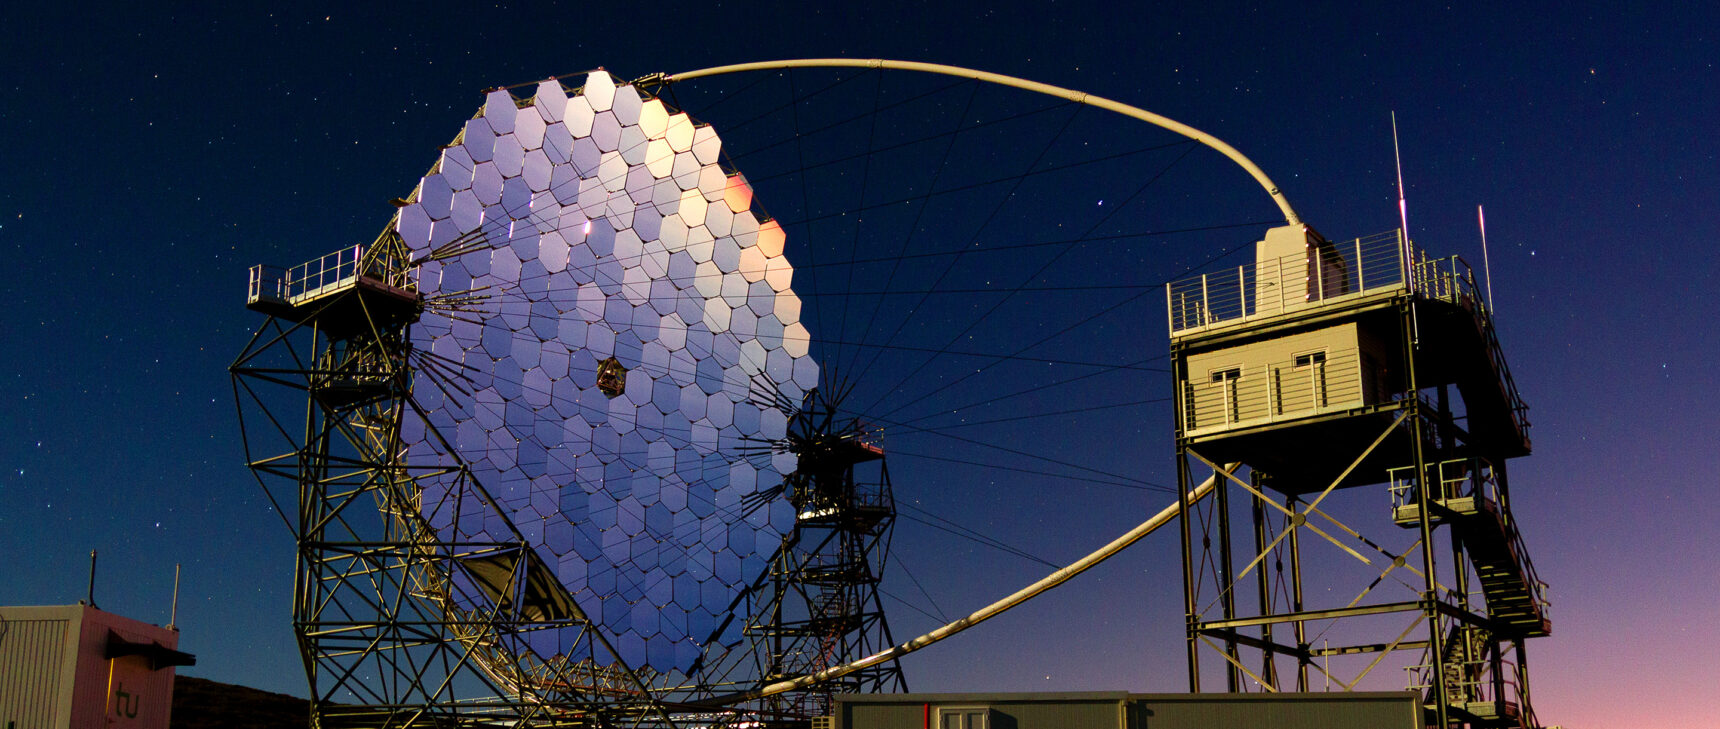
963,717
1228,380
1314,365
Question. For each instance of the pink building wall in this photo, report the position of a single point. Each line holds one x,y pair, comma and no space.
121,670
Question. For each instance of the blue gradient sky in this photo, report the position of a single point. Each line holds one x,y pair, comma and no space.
150,157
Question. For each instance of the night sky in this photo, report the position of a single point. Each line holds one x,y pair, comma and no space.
152,156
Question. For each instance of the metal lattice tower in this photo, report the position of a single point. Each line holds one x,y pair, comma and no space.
1362,388
821,605
397,625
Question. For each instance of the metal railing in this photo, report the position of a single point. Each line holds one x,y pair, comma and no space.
1496,355
871,494
1474,680
268,283
1274,286
327,273
1336,272
1455,478
1543,605
306,280
864,495
1447,279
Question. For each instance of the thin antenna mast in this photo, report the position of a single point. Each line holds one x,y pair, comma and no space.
1403,208
173,613
1486,267
92,593
1407,250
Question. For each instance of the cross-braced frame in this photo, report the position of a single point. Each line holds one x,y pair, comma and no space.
400,623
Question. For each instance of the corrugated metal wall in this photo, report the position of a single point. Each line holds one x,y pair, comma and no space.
31,656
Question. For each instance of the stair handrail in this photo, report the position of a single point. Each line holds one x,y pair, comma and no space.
1476,677
1520,552
1496,353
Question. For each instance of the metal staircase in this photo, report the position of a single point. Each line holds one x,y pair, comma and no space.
1485,691
1515,599
1466,496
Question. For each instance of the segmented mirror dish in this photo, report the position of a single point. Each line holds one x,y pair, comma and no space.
627,343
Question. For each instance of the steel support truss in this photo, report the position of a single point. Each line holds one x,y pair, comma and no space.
400,623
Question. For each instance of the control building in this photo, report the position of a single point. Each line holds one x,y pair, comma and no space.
77,667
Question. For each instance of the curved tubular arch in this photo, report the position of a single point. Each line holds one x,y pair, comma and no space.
988,612
1078,97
